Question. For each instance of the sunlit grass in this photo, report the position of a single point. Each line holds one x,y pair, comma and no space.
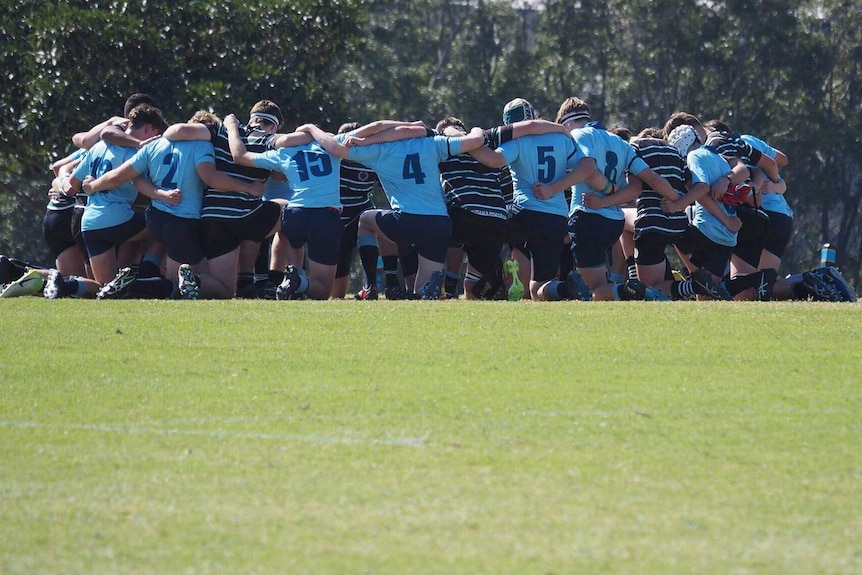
429,437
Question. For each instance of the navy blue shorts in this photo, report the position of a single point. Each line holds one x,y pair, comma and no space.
429,235
705,253
752,238
57,230
650,247
102,240
481,237
592,236
780,230
540,236
348,244
223,235
319,228
182,236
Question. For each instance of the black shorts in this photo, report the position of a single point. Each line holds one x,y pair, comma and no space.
182,236
77,235
780,230
481,237
223,235
650,247
705,253
104,239
319,228
540,236
348,244
752,237
429,235
57,230
592,235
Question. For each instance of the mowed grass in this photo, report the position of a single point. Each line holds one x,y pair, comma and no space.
430,438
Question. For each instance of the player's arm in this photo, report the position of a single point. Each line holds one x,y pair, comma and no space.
296,138
769,167
657,183
382,125
216,179
117,135
695,193
537,128
780,158
187,131
489,157
326,140
149,189
110,180
66,165
732,223
91,137
472,141
240,153
391,135
584,171
627,193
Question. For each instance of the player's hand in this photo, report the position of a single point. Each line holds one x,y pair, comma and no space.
231,121
351,141
172,197
257,188
670,207
87,185
541,191
592,201
734,224
143,143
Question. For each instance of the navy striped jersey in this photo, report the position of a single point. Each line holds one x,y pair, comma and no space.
229,204
472,186
357,183
664,160
730,145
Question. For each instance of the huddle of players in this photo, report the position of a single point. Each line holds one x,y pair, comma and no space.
715,196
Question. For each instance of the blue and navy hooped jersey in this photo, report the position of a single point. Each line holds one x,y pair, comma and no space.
664,160
230,204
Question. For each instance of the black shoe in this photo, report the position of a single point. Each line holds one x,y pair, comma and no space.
703,284
290,284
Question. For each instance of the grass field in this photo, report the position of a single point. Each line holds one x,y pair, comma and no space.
430,438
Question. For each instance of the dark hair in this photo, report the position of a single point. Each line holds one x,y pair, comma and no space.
268,107
205,118
651,133
621,131
347,127
449,121
678,119
717,125
146,114
136,100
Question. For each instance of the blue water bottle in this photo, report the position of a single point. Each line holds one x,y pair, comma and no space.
827,255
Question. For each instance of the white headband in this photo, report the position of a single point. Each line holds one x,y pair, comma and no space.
268,117
574,116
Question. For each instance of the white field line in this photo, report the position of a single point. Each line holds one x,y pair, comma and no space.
220,434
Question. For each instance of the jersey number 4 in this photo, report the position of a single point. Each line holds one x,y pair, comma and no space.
413,169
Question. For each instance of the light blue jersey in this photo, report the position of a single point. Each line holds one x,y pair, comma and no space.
707,167
111,207
173,165
540,159
314,175
771,202
277,187
614,158
409,171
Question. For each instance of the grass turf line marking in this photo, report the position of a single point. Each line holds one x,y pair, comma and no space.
221,434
